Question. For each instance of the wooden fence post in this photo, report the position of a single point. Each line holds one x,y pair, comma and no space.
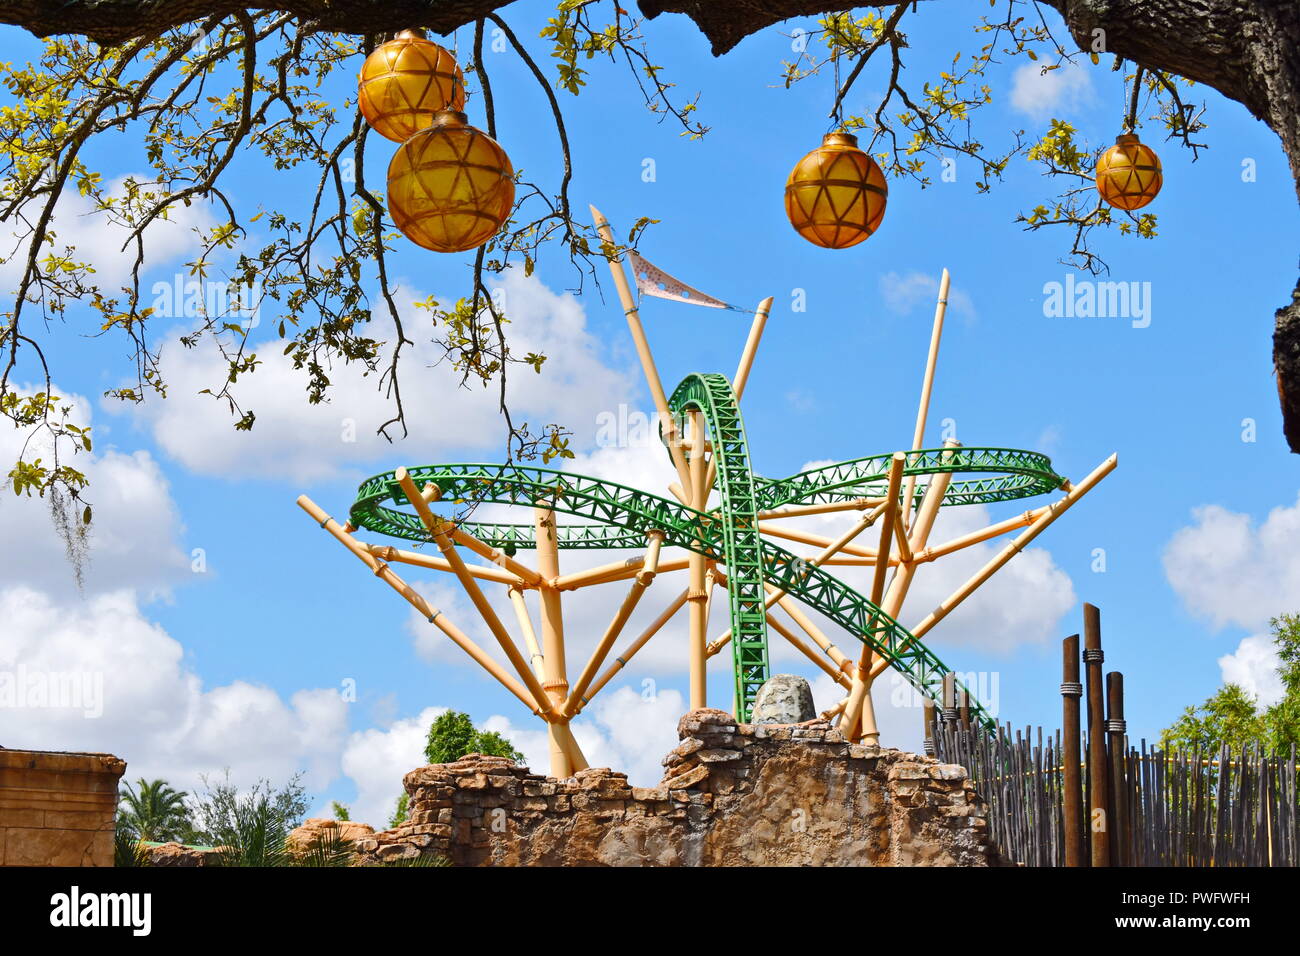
1098,778
1072,783
1116,730
928,718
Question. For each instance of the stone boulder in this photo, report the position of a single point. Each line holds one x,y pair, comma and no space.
181,855
783,699
302,837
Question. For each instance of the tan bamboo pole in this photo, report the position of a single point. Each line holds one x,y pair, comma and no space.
864,726
1014,547
819,659
386,552
927,385
931,502
680,494
699,595
599,575
576,701
416,600
805,537
742,370
630,310
775,594
677,564
432,492
751,347
835,711
655,626
889,520
788,605
490,618
860,710
904,545
552,620
977,537
440,529
535,657
710,587
495,555
568,744
798,511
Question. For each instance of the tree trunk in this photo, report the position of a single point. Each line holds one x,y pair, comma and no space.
1249,52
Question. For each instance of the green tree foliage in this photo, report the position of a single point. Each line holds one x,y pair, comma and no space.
453,735
155,812
250,826
1229,717
180,95
399,812
341,811
1233,717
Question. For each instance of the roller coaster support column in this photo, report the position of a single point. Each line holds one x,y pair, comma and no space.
873,665
860,712
556,685
743,368
927,386
697,493
666,420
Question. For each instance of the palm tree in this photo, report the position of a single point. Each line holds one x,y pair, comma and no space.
156,812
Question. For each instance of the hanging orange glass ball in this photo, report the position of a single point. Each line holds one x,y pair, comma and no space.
835,196
404,82
1128,174
451,186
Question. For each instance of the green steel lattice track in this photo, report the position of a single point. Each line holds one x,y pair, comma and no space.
621,517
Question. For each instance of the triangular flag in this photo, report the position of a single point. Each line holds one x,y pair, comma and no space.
651,280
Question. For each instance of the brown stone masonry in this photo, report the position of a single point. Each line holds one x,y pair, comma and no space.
733,795
56,809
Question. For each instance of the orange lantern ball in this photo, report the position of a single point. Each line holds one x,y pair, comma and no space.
451,186
404,82
1128,174
835,196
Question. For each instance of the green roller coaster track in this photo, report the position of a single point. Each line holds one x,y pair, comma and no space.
621,517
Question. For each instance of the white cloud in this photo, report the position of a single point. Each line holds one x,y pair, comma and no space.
1225,568
1039,94
135,695
1254,666
154,711
134,536
376,760
299,442
904,293
898,716
622,729
96,240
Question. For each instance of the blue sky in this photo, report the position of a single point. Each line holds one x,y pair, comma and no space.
1195,522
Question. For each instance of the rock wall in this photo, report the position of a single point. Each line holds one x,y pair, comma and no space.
733,795
56,809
